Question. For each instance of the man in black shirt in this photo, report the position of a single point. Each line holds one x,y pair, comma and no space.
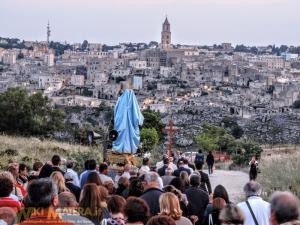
205,183
162,171
197,198
151,192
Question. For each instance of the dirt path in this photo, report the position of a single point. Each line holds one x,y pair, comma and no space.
233,181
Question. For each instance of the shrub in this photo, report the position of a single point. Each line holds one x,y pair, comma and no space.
280,173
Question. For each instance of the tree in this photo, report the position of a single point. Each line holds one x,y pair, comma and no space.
81,134
232,126
217,138
28,115
149,139
206,142
153,120
245,150
84,45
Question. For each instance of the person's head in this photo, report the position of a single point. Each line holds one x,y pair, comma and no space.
110,187
169,205
42,193
146,161
93,178
8,215
200,151
252,188
161,220
164,157
123,182
127,168
46,171
166,161
150,180
104,192
169,171
210,152
91,200
103,168
115,206
136,210
231,215
70,164
199,165
220,192
37,166
180,163
195,180
59,180
186,161
284,208
22,169
92,164
56,160
184,176
175,191
8,175
14,170
86,164
67,200
6,186
135,188
177,183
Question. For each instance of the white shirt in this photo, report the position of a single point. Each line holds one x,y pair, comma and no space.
144,169
173,166
260,208
161,184
126,174
74,176
105,178
159,165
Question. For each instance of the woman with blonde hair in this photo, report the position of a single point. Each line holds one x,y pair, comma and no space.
59,180
169,206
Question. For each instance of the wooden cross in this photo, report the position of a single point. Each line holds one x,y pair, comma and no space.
170,130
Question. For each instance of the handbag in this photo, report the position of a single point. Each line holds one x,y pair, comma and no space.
252,213
210,220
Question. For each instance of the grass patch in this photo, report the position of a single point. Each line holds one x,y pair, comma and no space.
30,150
280,172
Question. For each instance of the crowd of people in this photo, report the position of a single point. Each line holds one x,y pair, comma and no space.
172,192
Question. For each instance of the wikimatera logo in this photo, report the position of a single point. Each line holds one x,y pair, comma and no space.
51,214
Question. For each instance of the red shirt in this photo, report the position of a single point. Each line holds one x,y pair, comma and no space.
11,203
24,192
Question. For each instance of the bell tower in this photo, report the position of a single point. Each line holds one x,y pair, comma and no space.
166,35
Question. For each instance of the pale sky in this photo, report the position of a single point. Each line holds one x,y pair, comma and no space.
201,22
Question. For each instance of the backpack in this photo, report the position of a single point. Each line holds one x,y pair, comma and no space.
199,157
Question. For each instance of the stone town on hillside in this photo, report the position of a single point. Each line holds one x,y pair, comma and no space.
188,84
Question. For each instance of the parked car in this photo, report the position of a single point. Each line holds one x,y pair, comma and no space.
189,155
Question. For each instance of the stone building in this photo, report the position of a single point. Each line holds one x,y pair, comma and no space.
166,35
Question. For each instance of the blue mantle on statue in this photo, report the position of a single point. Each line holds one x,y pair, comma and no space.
127,118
